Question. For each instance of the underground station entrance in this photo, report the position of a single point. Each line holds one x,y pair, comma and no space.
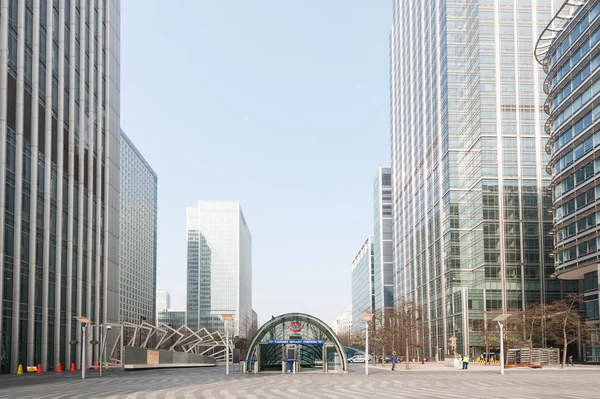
294,343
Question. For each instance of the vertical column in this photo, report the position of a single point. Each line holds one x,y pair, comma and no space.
71,189
16,316
33,185
47,161
99,146
3,127
82,144
107,166
90,175
59,182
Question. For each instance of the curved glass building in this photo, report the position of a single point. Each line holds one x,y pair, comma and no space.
569,50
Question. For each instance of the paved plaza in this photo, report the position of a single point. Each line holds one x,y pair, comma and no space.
422,381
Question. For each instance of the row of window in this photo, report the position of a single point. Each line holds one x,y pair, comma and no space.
575,58
578,227
575,33
580,126
578,202
578,152
577,178
576,105
587,70
577,251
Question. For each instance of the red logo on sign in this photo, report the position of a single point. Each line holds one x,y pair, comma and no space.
296,326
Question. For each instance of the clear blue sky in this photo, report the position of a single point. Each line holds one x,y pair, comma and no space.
282,105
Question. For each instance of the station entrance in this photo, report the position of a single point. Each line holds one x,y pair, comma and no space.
293,343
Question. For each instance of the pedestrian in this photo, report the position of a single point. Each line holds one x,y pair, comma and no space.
393,360
465,362
570,361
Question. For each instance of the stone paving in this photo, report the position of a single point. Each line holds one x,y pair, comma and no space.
422,381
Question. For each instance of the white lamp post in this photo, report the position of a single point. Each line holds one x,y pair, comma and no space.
367,318
501,319
84,322
226,317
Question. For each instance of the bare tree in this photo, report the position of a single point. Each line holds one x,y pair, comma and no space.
564,323
529,322
406,314
490,335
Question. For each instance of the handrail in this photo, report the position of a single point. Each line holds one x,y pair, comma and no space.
556,25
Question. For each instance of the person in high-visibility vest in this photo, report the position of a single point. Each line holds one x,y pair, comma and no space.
465,362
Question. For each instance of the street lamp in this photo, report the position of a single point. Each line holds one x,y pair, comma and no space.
501,319
367,318
226,317
84,322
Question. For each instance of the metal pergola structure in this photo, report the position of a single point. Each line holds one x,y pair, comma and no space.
166,337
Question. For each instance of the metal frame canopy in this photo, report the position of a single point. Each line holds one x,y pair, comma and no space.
272,328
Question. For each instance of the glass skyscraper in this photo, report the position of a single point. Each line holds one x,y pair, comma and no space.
569,51
219,266
137,274
470,188
363,294
59,174
383,285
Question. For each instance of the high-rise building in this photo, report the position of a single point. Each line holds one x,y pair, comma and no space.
137,275
471,221
383,239
174,318
163,300
253,325
219,266
342,325
363,294
59,174
568,50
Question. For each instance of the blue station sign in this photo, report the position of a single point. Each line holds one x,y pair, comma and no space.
298,342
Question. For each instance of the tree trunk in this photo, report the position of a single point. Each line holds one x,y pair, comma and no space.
407,357
564,359
487,353
530,350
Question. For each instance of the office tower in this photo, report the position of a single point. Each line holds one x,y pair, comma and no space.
363,295
342,325
219,266
137,275
383,239
253,325
568,50
163,300
174,318
471,229
59,168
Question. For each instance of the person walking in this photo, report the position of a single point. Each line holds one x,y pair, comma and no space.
570,362
393,359
465,362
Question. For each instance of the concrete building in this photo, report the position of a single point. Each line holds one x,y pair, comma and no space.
363,293
383,239
139,208
471,221
342,324
219,266
174,318
163,301
59,174
568,50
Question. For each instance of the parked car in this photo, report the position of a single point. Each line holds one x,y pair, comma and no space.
359,359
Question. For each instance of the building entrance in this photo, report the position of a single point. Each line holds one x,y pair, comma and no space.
293,343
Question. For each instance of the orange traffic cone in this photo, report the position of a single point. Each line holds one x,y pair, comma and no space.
39,369
59,368
96,366
73,367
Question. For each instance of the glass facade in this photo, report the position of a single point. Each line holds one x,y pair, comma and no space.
569,51
471,227
363,279
163,301
383,239
219,266
137,273
174,318
59,169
